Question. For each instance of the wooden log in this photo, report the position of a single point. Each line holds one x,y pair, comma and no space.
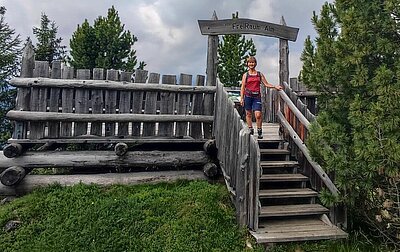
31,182
93,159
68,117
121,149
12,150
283,57
210,170
113,85
12,175
210,147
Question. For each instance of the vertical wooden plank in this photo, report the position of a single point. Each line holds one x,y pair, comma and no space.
81,103
67,101
138,97
110,103
39,100
149,129
97,102
24,94
28,60
183,105
54,101
124,105
56,69
167,106
195,129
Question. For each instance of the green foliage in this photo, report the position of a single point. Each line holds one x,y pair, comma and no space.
355,65
180,216
233,51
48,47
9,62
106,44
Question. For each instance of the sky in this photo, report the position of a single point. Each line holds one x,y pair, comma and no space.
169,38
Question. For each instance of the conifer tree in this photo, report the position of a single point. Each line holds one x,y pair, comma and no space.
48,47
9,61
232,53
355,65
106,44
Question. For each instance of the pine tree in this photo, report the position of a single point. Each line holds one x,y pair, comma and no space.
106,44
9,62
355,65
83,47
232,53
48,47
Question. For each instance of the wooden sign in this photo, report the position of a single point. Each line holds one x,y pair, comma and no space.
247,26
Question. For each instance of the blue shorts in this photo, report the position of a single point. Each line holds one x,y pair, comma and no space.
252,103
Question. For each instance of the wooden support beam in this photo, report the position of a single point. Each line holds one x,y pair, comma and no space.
12,175
12,150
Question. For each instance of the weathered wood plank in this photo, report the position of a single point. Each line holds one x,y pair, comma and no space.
34,181
106,159
110,103
195,129
167,106
67,101
28,60
51,116
183,105
149,129
97,102
124,105
247,26
113,85
138,99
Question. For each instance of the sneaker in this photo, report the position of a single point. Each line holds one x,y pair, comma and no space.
251,131
259,132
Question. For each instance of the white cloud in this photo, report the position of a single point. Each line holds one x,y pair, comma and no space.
169,39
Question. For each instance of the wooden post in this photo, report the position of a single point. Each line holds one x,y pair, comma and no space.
211,79
12,175
283,69
97,102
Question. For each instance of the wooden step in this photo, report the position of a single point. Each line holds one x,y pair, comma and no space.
292,210
296,230
283,178
274,152
287,193
278,164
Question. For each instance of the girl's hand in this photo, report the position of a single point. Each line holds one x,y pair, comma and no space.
242,102
279,88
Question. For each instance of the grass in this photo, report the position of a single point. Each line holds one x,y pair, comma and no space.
180,216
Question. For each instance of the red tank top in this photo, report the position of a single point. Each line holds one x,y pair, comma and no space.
253,82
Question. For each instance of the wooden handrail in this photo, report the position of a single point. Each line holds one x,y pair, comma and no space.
302,147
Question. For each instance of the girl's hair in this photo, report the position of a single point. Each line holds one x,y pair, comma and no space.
252,58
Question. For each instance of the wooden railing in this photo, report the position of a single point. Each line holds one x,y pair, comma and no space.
295,118
239,157
115,107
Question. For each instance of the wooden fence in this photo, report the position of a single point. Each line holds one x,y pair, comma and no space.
239,157
112,107
295,117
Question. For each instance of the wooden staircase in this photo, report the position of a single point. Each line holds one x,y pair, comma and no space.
289,209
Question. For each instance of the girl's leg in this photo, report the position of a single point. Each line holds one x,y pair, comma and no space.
249,119
258,115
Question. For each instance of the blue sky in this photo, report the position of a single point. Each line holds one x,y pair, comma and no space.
169,39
